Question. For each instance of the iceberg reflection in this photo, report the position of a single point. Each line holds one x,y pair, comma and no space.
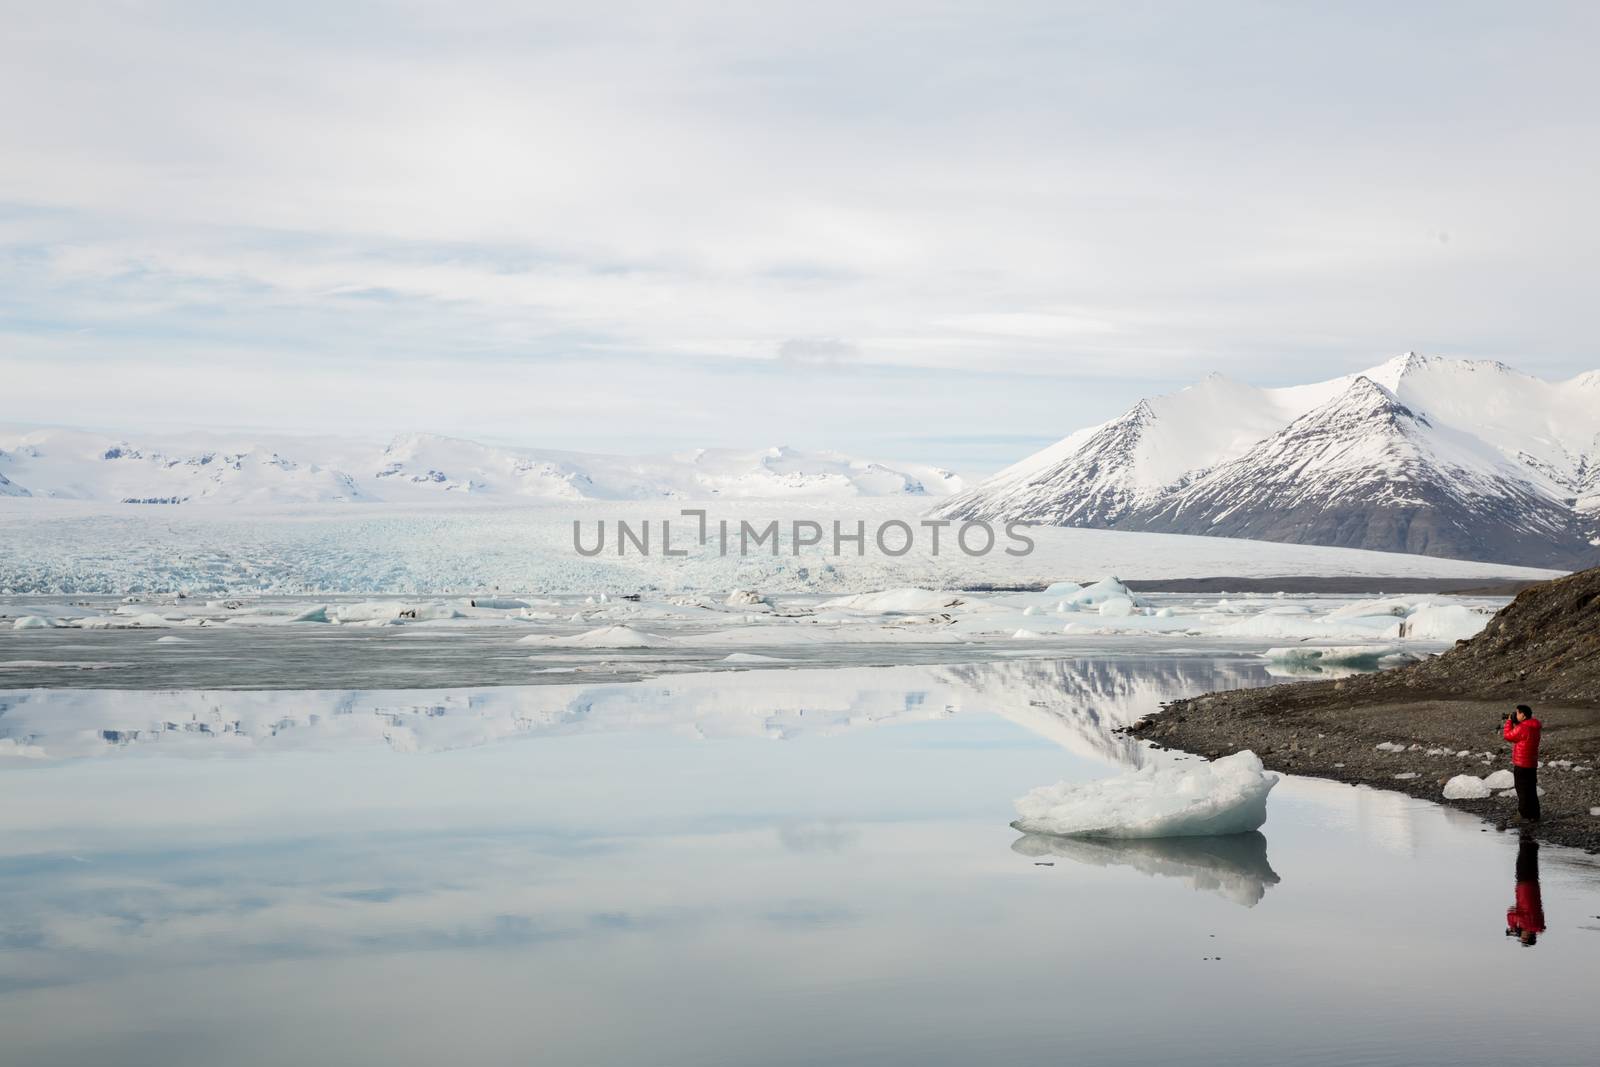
1234,867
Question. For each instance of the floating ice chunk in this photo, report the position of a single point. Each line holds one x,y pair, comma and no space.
498,603
1466,787
897,601
1312,628
31,622
604,637
1340,655
1117,607
1501,779
1393,607
11,748
1100,592
1443,622
1228,796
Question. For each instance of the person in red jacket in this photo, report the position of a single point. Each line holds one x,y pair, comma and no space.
1525,918
1522,730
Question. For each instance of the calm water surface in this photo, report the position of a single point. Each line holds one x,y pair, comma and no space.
786,867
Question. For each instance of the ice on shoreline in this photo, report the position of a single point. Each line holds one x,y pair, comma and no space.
1227,796
1466,787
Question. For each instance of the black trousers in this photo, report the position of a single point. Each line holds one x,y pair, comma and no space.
1527,782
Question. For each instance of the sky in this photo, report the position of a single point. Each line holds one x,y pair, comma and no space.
946,232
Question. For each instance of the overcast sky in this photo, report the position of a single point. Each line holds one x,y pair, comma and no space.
932,231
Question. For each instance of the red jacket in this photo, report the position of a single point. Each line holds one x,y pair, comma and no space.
1527,915
1524,738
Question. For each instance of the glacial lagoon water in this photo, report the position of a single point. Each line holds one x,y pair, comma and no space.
765,867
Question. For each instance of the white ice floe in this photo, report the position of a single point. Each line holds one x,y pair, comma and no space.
1227,796
890,601
1106,589
604,637
1340,655
498,603
1117,607
1466,787
1443,622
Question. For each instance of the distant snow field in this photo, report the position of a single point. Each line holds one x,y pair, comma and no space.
78,547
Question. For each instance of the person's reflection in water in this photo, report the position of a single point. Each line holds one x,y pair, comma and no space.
1525,918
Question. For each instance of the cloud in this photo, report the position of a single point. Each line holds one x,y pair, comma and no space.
639,208
817,352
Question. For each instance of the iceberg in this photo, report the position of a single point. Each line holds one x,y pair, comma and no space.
1228,796
1444,622
1341,655
1092,596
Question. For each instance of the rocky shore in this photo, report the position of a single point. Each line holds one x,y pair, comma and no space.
1437,718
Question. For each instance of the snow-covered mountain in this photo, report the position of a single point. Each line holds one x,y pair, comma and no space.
1442,457
75,465
70,464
